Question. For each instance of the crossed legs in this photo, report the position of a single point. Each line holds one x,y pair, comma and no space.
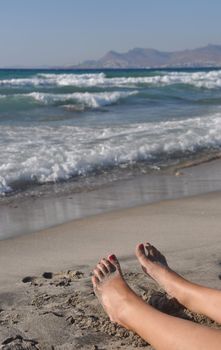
160,330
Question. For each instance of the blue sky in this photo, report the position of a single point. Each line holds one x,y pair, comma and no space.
57,32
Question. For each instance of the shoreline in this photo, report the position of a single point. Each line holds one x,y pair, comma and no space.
26,216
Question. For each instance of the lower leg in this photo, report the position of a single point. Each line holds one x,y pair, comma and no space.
162,331
197,298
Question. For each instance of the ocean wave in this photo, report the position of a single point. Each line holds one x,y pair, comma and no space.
90,100
80,80
208,80
51,154
84,100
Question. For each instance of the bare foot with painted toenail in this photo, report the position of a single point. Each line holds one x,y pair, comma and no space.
111,289
154,264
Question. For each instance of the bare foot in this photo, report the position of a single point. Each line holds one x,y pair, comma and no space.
155,265
112,290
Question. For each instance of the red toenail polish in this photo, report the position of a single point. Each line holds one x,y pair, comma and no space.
141,246
112,257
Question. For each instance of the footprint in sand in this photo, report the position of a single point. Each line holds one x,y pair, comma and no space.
62,279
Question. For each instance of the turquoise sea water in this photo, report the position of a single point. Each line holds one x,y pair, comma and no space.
86,128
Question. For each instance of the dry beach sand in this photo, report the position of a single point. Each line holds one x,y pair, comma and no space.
46,297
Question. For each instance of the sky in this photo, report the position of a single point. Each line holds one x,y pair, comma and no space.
64,32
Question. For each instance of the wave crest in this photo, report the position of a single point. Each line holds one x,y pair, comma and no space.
90,100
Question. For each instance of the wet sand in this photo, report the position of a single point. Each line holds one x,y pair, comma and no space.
21,215
46,297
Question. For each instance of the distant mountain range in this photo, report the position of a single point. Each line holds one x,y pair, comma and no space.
206,56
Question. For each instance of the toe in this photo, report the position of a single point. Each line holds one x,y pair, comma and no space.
107,264
155,255
102,268
150,248
114,261
99,274
152,252
95,281
140,253
155,251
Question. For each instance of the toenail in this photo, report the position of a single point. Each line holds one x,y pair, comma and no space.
112,257
141,246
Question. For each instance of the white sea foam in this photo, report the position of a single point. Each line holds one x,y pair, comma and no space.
53,153
80,80
209,80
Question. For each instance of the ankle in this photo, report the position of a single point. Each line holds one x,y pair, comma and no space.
178,288
124,312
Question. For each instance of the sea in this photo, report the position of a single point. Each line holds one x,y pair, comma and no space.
76,130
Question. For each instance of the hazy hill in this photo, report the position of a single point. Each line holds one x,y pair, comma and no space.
209,55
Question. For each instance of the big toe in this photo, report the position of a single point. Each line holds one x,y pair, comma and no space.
140,253
113,260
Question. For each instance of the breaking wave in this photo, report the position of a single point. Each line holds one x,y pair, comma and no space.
91,100
85,99
52,153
